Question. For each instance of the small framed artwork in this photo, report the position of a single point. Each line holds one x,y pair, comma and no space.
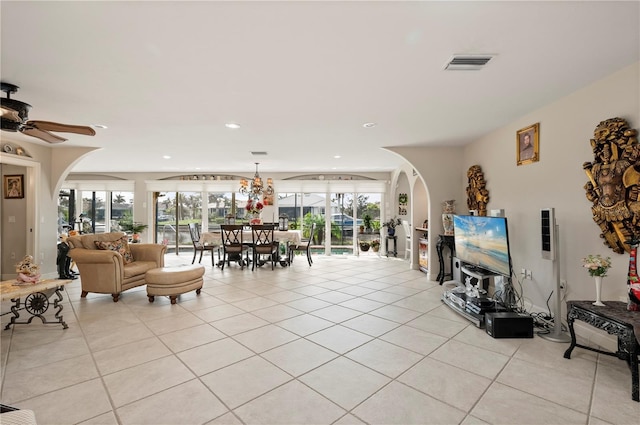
528,144
14,186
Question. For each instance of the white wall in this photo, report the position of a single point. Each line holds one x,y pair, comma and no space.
557,181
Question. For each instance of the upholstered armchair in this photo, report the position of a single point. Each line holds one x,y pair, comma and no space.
108,264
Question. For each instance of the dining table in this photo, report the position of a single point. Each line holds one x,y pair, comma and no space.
285,237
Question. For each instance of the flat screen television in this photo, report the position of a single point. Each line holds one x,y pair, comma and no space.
483,242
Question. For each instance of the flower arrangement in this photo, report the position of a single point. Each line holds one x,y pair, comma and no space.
375,243
392,223
596,265
254,207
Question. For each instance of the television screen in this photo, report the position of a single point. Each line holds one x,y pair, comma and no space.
483,242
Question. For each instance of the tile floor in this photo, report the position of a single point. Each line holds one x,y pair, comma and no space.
348,341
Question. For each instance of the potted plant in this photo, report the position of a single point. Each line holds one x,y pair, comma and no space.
366,220
391,225
375,245
364,246
131,227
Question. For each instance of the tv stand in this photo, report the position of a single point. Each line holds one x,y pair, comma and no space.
464,302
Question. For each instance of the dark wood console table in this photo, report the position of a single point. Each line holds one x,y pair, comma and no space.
444,240
615,320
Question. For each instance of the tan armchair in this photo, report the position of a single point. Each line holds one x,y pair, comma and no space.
106,271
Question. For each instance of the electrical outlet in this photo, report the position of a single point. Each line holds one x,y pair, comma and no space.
13,255
528,274
523,273
563,284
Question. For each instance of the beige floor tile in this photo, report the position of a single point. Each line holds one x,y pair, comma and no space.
299,356
523,409
339,339
305,324
395,313
336,313
334,297
200,303
174,323
478,337
348,419
308,304
446,383
28,383
238,324
612,396
244,381
383,297
69,405
311,290
187,403
265,338
386,358
345,382
226,419
362,304
40,355
185,339
125,356
218,312
109,339
138,382
277,313
476,360
414,339
563,387
108,418
255,303
370,325
438,326
215,355
400,405
292,403
285,296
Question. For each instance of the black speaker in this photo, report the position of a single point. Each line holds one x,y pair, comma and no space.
508,325
547,232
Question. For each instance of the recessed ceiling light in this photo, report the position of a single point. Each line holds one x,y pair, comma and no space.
232,125
369,125
166,157
98,126
337,156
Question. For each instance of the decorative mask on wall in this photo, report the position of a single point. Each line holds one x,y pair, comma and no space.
614,182
477,193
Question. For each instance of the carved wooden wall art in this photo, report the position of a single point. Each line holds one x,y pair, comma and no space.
614,182
477,193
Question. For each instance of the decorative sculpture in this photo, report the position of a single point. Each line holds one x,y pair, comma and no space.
477,193
614,183
28,271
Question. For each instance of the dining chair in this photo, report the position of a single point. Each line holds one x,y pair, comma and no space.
233,246
305,245
194,231
407,237
263,243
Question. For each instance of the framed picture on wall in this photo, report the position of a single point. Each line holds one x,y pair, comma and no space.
14,186
528,144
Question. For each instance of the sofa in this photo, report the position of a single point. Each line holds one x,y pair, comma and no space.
108,264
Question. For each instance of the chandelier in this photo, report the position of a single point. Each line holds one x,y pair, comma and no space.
256,188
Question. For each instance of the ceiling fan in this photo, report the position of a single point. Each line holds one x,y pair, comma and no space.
14,117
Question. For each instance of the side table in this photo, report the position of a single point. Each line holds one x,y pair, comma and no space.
36,299
394,238
615,320
448,241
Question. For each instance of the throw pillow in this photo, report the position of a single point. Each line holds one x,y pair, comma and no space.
120,245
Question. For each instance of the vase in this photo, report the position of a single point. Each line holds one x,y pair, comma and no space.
598,301
391,231
447,223
256,219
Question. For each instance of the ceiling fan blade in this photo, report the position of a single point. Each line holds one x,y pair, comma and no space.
62,128
42,135
10,114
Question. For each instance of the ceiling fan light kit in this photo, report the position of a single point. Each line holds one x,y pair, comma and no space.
15,118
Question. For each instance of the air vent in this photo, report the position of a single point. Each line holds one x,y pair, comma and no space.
259,153
468,62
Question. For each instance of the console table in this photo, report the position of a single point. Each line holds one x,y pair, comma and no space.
615,320
448,241
36,299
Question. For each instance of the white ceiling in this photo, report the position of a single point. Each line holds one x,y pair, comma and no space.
300,77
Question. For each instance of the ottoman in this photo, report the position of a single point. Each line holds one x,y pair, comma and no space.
173,281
